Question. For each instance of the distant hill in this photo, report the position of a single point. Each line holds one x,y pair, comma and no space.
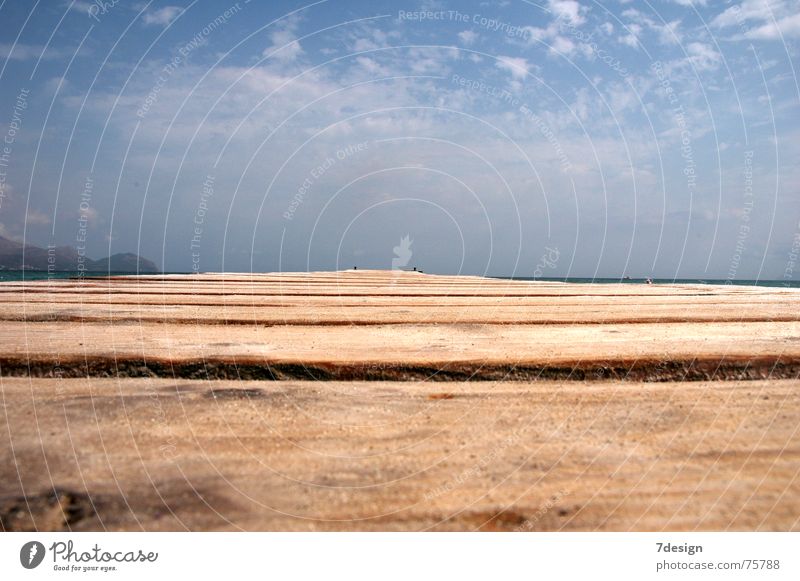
17,256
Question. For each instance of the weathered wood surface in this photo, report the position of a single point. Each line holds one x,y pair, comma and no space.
555,429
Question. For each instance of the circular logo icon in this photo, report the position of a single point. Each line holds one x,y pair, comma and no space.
31,554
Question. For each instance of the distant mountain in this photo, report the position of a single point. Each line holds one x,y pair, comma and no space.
66,258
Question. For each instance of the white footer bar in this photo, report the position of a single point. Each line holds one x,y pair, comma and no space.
380,556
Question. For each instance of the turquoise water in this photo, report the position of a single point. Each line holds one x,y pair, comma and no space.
14,275
773,283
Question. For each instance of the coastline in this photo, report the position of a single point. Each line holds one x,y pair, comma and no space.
18,275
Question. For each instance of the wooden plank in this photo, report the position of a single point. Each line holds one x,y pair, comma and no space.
544,436
159,454
395,351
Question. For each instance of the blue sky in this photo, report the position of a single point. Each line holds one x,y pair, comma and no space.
557,137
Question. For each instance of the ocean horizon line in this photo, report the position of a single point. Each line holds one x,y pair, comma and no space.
35,275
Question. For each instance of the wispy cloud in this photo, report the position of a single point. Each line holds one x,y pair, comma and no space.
761,20
161,17
35,217
568,10
467,37
284,44
703,56
787,27
518,67
23,52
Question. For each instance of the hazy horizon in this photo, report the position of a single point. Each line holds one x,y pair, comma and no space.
566,139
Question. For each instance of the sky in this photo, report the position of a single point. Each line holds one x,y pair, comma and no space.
552,138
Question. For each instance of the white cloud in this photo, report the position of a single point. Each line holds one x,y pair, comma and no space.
568,10
666,32
10,234
371,67
56,84
669,33
517,67
747,10
563,45
91,214
581,107
788,27
535,33
35,217
80,6
23,52
369,36
761,20
621,97
434,60
363,44
632,38
703,56
467,37
162,16
284,46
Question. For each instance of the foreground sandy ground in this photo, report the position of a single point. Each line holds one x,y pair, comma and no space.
251,402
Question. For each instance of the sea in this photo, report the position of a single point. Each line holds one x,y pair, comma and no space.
710,281
17,275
